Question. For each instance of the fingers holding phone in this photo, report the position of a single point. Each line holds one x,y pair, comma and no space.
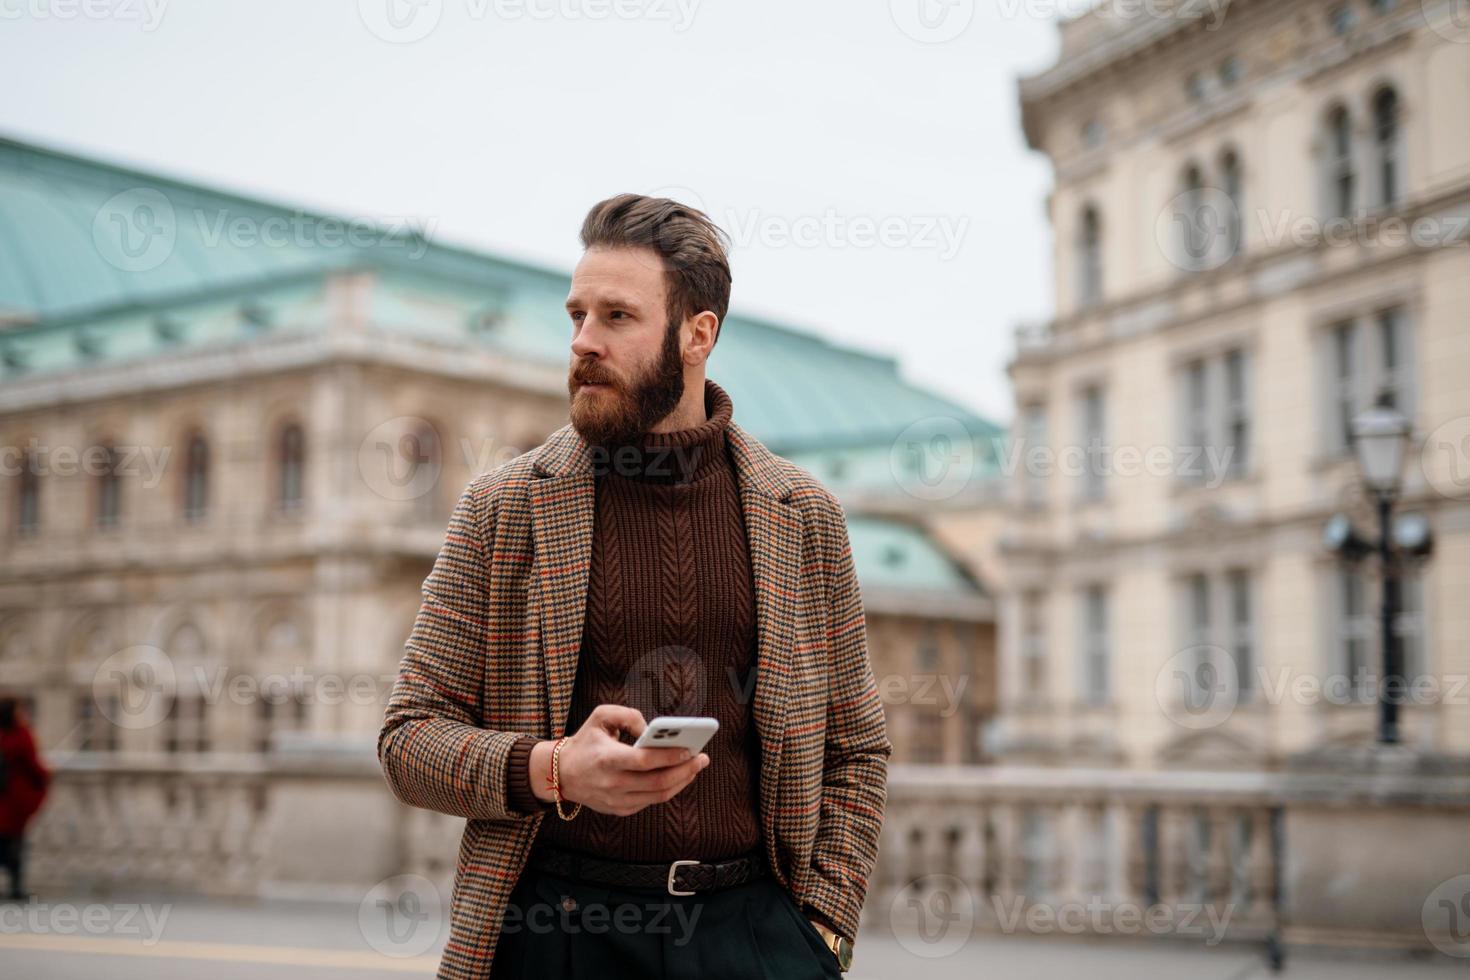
601,772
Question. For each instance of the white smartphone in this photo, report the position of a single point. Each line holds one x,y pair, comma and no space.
677,732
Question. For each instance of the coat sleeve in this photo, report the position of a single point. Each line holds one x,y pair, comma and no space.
433,749
855,768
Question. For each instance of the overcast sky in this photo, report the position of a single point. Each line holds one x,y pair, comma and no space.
865,157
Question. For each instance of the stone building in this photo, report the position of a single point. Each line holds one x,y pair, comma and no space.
1259,214
1260,220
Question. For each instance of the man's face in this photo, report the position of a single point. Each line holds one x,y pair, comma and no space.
627,369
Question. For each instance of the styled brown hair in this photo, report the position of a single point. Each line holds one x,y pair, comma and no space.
693,248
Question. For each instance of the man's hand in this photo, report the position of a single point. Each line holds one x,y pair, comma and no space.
599,771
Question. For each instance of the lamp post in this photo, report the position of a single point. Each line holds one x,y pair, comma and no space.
1380,437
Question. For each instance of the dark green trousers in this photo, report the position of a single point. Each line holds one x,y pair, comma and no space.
555,927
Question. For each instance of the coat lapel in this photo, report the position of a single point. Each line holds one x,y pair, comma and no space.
562,503
561,526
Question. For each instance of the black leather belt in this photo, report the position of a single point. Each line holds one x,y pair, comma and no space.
682,877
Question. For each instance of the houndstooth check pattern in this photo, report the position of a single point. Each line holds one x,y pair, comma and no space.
493,653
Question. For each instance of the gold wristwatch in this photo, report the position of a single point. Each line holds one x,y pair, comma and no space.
839,945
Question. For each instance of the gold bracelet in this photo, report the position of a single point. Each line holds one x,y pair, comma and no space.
556,780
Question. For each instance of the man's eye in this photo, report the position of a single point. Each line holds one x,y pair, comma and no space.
577,315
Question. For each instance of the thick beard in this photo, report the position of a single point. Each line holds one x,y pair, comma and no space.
619,417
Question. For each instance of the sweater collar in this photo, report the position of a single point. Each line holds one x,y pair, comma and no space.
678,457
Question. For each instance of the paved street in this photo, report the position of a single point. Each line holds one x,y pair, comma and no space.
160,938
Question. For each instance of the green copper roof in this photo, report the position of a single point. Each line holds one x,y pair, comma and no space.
100,262
894,554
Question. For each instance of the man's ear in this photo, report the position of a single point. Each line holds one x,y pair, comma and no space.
704,331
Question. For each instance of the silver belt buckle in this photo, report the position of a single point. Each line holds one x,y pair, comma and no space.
673,868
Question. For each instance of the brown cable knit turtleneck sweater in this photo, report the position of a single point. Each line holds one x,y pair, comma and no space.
669,630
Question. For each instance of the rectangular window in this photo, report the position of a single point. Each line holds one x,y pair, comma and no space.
1237,421
1344,395
1095,652
1215,418
1033,433
186,726
1033,644
928,735
1354,622
1093,429
1242,630
1196,422
95,729
279,712
1366,358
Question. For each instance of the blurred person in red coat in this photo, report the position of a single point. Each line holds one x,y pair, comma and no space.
23,783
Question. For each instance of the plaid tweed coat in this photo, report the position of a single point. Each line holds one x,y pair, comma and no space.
493,653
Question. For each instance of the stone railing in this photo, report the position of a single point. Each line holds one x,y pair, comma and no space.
1340,857
1210,856
1067,851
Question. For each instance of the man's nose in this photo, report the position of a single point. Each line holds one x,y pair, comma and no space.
588,339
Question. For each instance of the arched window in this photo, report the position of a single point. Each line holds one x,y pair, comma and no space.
1089,257
28,496
1386,142
1233,184
1197,223
1342,175
291,466
109,489
196,477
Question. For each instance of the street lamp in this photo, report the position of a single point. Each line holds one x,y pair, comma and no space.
1380,439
